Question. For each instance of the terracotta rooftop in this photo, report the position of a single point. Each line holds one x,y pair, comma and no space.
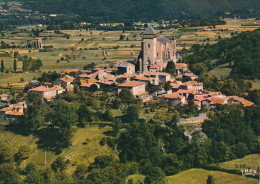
189,75
84,76
173,96
179,66
41,89
57,88
140,77
175,86
3,95
154,67
245,102
70,87
87,85
125,76
131,84
14,113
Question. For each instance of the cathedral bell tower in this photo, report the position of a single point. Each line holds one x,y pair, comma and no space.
149,41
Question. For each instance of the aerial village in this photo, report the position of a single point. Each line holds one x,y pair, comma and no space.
147,69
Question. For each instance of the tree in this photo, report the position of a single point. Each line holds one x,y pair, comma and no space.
93,88
211,180
132,113
170,68
8,174
126,96
84,115
155,176
2,66
59,164
15,65
23,152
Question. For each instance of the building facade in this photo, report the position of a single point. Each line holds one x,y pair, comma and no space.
156,49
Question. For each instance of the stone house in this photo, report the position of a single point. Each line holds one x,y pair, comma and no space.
135,87
174,98
45,92
4,97
236,100
126,67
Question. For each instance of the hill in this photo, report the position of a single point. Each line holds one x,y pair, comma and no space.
143,9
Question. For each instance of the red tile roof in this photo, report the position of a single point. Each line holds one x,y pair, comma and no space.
87,85
154,67
41,89
131,84
3,95
173,96
245,102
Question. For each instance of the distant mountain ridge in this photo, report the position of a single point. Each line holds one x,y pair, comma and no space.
136,9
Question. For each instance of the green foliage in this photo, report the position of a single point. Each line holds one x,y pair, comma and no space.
23,152
170,68
211,180
138,143
6,154
234,129
8,174
30,64
127,9
132,113
15,65
126,96
155,176
84,115
2,66
49,77
59,164
242,50
93,88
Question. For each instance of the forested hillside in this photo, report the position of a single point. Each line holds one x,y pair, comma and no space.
140,9
241,52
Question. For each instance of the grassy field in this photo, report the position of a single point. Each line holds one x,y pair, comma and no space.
250,161
199,176
221,72
85,147
256,84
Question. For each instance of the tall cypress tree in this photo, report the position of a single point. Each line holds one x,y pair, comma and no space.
15,65
2,66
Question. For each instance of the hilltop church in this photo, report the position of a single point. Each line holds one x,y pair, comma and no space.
156,51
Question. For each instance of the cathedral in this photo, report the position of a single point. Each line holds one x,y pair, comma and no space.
156,51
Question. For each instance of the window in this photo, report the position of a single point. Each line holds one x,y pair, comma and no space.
149,45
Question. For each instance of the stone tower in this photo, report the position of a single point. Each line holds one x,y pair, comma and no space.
149,41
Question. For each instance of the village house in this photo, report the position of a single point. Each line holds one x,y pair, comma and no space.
126,67
180,68
58,89
64,81
198,86
13,112
105,84
135,87
4,97
141,78
189,76
236,100
45,92
174,98
86,86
